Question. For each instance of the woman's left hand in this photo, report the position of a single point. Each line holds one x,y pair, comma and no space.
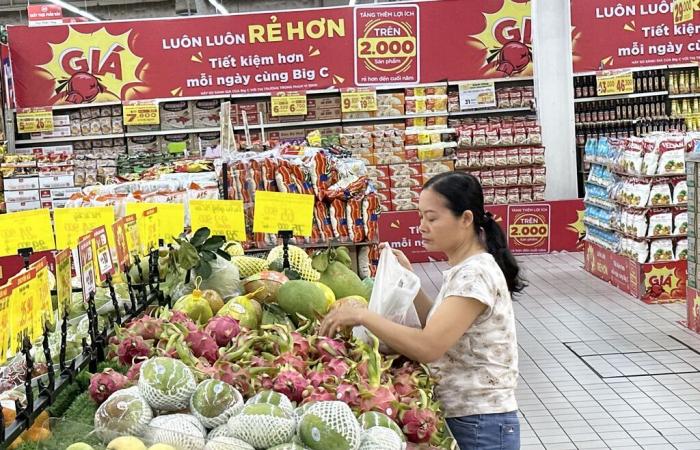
342,317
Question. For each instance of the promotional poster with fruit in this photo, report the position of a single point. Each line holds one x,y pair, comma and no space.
252,53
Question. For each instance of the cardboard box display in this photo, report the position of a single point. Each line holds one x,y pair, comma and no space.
206,113
21,183
381,183
139,145
11,207
323,102
405,193
378,171
405,169
61,121
406,181
22,196
59,193
58,181
176,115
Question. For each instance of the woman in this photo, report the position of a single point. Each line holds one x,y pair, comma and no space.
468,333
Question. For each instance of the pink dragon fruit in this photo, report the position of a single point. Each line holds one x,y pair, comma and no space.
319,394
329,349
380,399
290,383
320,376
405,384
203,345
295,362
135,370
302,348
183,319
223,329
349,394
265,382
419,424
104,384
132,347
147,327
234,375
338,367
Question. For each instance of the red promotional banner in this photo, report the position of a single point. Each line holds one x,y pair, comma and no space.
637,33
44,15
268,52
563,221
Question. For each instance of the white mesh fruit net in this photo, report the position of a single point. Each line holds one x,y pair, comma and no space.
271,398
376,419
380,438
182,431
124,412
227,443
166,384
336,416
214,402
220,431
263,431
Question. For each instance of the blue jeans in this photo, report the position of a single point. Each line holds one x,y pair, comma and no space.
486,431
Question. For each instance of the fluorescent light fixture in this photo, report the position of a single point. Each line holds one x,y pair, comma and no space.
351,3
75,10
218,6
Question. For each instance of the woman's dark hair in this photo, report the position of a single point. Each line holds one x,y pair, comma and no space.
463,192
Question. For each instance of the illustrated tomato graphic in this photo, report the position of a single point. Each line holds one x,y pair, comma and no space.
81,87
512,58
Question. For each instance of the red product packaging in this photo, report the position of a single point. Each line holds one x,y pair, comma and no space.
513,157
339,220
355,219
513,195
512,177
486,177
382,183
489,194
525,176
538,155
500,196
501,158
406,181
538,194
539,175
525,156
499,178
371,208
405,169
526,194
378,171
323,220
488,158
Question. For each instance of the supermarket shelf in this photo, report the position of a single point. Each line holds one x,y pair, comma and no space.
490,147
441,144
403,117
474,112
693,95
651,207
308,123
166,132
649,238
632,175
596,183
495,80
636,69
598,224
432,131
67,139
599,203
619,97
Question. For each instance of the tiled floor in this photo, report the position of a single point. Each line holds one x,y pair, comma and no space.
599,369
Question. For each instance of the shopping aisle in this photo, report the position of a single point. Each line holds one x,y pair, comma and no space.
599,369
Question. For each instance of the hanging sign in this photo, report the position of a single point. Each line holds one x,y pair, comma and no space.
26,229
22,302
148,230
42,311
614,83
683,11
288,104
358,100
103,253
170,221
140,113
222,217
34,120
477,94
86,258
71,223
276,211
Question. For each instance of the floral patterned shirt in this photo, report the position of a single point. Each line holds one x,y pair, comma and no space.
479,373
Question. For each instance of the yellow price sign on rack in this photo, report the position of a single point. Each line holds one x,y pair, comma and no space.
148,230
26,229
358,100
278,211
222,217
34,120
171,218
683,11
21,305
72,223
64,288
5,330
614,83
288,104
141,113
42,312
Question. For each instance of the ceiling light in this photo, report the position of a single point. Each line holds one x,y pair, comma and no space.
75,10
218,6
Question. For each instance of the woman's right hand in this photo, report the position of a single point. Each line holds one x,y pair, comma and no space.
403,260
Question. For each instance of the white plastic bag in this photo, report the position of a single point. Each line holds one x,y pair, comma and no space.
395,288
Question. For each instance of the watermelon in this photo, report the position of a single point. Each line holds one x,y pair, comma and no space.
167,384
263,425
329,425
214,402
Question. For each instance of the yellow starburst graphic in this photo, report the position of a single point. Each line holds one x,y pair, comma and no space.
578,227
98,55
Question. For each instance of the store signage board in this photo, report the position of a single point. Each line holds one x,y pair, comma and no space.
477,94
71,223
5,297
258,53
358,100
171,218
63,281
43,310
41,15
223,217
21,305
34,120
288,104
280,211
614,82
683,11
102,253
26,229
141,113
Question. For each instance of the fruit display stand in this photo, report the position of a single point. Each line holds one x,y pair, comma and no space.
637,216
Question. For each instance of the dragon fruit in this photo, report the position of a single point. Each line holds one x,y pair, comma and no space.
223,329
380,399
289,359
319,394
147,327
320,377
132,347
405,384
203,345
338,367
348,393
302,348
419,424
104,384
290,383
234,375
329,349
179,317
135,370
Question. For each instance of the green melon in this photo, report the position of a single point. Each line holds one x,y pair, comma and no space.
214,402
263,425
329,425
376,419
302,297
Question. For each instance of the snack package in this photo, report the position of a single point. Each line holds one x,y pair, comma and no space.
671,151
661,250
500,196
499,178
512,177
488,158
660,223
538,193
525,176
639,250
323,221
206,113
370,215
636,224
538,155
513,195
176,115
339,220
489,194
501,158
680,192
680,223
660,194
524,156
355,219
681,249
513,157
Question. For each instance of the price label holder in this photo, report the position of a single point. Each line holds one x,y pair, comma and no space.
477,94
358,100
5,297
105,268
43,309
275,211
86,259
614,82
683,11
22,302
63,281
70,223
26,229
171,218
148,230
141,113
34,120
288,104
222,217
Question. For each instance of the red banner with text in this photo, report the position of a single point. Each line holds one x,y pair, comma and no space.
536,228
637,33
267,52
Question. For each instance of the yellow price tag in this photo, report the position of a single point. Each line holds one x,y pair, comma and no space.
34,120
64,289
72,223
5,330
288,104
148,230
171,218
683,11
358,100
614,83
141,113
222,217
42,311
133,239
277,211
21,304
26,229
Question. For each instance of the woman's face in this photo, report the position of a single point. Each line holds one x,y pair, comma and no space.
441,230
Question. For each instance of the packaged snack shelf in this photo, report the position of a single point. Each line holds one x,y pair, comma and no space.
620,97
